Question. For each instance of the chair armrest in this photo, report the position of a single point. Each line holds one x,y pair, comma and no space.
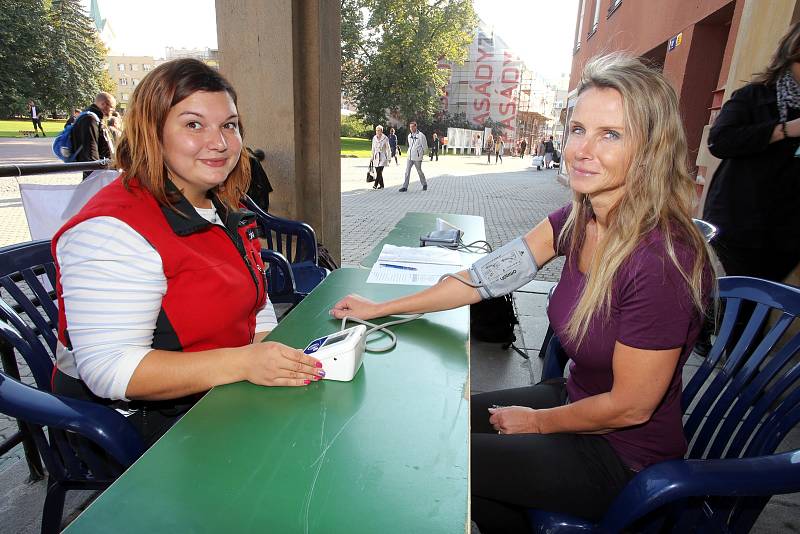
555,358
100,424
306,237
278,261
669,481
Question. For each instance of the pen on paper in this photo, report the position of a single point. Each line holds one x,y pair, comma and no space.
391,266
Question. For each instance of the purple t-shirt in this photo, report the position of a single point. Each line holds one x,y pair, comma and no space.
650,308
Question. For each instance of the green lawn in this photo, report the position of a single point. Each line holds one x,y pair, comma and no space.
12,128
354,146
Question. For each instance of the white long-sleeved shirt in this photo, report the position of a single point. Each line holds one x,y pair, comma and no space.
112,283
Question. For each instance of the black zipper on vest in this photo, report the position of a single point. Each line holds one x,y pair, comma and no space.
243,253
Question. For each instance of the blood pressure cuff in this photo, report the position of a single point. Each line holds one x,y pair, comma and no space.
506,269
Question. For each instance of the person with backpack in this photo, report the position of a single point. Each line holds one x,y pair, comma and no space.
90,138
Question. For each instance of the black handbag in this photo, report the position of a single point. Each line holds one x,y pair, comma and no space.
370,177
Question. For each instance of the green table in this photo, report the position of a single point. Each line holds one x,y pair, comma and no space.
413,225
385,453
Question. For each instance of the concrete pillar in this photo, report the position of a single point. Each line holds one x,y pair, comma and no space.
284,59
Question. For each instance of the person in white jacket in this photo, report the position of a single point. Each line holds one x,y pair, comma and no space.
380,155
417,146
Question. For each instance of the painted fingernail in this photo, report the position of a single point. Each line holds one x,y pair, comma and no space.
316,378
321,373
306,381
318,365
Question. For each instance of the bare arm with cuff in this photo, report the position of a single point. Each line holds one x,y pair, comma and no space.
451,293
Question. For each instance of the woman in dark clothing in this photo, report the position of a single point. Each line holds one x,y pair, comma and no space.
393,145
754,193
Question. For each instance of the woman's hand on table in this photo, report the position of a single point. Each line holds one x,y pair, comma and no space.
514,420
355,306
275,364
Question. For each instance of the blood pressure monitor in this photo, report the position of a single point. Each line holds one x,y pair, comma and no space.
341,353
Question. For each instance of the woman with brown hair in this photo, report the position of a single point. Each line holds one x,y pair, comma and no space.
160,282
627,310
754,194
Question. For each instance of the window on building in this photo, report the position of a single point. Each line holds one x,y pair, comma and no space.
580,25
110,66
121,67
134,82
134,66
596,16
147,66
124,97
123,81
613,7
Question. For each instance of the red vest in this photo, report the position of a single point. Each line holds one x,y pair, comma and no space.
215,280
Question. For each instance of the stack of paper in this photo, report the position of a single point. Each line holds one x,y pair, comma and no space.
420,266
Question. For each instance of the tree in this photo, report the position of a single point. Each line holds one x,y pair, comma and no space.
24,35
51,53
390,52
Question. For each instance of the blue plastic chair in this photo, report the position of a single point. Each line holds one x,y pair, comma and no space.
295,241
71,464
280,279
738,406
27,282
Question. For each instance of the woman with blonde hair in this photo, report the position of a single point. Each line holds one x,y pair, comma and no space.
160,283
628,309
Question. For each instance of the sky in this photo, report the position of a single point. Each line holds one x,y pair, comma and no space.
540,31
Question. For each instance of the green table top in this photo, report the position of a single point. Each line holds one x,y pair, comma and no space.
384,453
414,224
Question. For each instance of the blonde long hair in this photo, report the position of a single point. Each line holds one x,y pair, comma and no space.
659,192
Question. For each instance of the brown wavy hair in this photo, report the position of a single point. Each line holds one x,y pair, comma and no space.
140,150
788,52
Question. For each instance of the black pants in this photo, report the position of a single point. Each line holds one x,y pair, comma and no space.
434,153
151,421
378,178
498,155
37,122
577,474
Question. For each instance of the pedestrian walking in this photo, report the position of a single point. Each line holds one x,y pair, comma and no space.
393,145
435,145
499,147
489,148
522,146
36,118
90,138
380,155
549,149
417,146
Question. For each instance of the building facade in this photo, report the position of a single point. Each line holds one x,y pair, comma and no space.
705,48
127,72
495,85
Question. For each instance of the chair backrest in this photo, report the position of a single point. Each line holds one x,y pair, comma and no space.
744,398
27,301
294,239
68,459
